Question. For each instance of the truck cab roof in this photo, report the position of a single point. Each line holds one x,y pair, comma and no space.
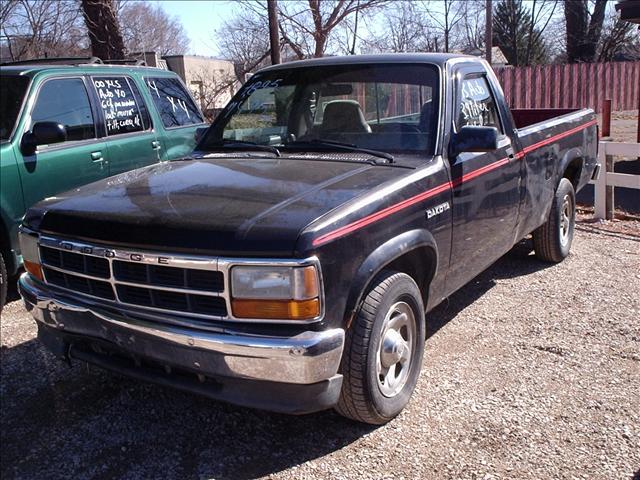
434,58
31,70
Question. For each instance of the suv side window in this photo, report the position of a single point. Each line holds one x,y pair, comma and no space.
65,100
477,106
122,106
174,104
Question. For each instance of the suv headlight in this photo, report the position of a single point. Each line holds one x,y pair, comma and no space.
30,254
275,292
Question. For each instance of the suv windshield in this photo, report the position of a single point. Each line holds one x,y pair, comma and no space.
12,90
391,108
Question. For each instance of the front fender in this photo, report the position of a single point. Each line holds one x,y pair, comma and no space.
384,255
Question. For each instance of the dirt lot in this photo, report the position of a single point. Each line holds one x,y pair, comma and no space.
531,371
624,125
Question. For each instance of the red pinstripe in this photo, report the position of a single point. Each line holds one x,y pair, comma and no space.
549,140
374,217
385,212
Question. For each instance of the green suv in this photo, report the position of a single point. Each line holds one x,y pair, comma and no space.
62,126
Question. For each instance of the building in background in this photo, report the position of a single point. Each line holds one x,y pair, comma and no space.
212,81
497,57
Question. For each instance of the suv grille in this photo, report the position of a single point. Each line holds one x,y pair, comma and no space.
194,291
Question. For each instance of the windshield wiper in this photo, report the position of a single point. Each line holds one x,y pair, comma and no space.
244,145
330,144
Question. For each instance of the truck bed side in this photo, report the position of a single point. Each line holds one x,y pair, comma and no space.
560,146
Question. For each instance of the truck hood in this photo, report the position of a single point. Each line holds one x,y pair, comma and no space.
252,206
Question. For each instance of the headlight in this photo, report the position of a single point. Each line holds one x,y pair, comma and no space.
30,254
278,292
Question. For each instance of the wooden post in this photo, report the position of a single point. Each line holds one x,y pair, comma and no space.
488,31
638,136
606,118
609,196
600,190
274,38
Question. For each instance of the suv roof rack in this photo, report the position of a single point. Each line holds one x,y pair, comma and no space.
135,62
56,61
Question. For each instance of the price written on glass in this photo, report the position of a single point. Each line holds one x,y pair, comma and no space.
119,106
173,101
474,108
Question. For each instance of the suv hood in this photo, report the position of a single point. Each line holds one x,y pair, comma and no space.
254,206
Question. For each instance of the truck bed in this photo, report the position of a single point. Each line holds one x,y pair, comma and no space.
524,117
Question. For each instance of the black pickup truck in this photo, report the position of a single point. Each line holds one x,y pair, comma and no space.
291,262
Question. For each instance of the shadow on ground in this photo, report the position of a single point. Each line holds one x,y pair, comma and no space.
61,422
519,261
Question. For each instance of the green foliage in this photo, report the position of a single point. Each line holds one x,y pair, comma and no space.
514,32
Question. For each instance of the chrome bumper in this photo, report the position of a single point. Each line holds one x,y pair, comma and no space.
306,358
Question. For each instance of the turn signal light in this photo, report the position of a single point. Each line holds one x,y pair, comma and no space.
34,269
276,309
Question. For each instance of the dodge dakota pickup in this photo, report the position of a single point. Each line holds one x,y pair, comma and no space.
290,263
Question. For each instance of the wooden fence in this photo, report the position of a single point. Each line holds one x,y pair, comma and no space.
604,201
576,85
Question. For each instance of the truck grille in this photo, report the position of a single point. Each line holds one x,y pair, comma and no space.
196,289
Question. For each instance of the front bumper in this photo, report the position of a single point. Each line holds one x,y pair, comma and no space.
295,374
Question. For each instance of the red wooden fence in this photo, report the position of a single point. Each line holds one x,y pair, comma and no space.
576,85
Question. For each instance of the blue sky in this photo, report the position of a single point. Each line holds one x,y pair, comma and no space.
200,18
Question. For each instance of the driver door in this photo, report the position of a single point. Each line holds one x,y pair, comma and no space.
79,160
485,185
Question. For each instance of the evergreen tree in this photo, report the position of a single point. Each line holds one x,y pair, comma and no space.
513,32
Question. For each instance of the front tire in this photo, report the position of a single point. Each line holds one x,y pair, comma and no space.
552,241
383,351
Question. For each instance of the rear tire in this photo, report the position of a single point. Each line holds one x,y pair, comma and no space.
383,350
4,281
552,240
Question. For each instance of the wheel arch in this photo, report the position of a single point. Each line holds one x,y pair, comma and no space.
571,167
414,252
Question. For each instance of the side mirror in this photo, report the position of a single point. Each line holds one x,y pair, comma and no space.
42,133
473,139
200,131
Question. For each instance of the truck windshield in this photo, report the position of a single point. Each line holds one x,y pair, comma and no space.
390,108
12,90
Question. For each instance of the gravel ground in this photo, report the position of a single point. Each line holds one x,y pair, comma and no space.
624,125
531,371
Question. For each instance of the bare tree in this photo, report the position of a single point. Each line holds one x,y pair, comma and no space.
147,27
212,89
446,17
542,12
583,29
619,38
104,30
274,34
405,29
6,8
42,28
244,39
470,30
307,27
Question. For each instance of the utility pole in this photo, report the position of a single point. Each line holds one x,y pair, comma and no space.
274,38
488,31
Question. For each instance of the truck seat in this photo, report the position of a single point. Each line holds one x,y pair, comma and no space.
344,116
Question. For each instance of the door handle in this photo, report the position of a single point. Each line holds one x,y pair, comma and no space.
155,145
96,157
